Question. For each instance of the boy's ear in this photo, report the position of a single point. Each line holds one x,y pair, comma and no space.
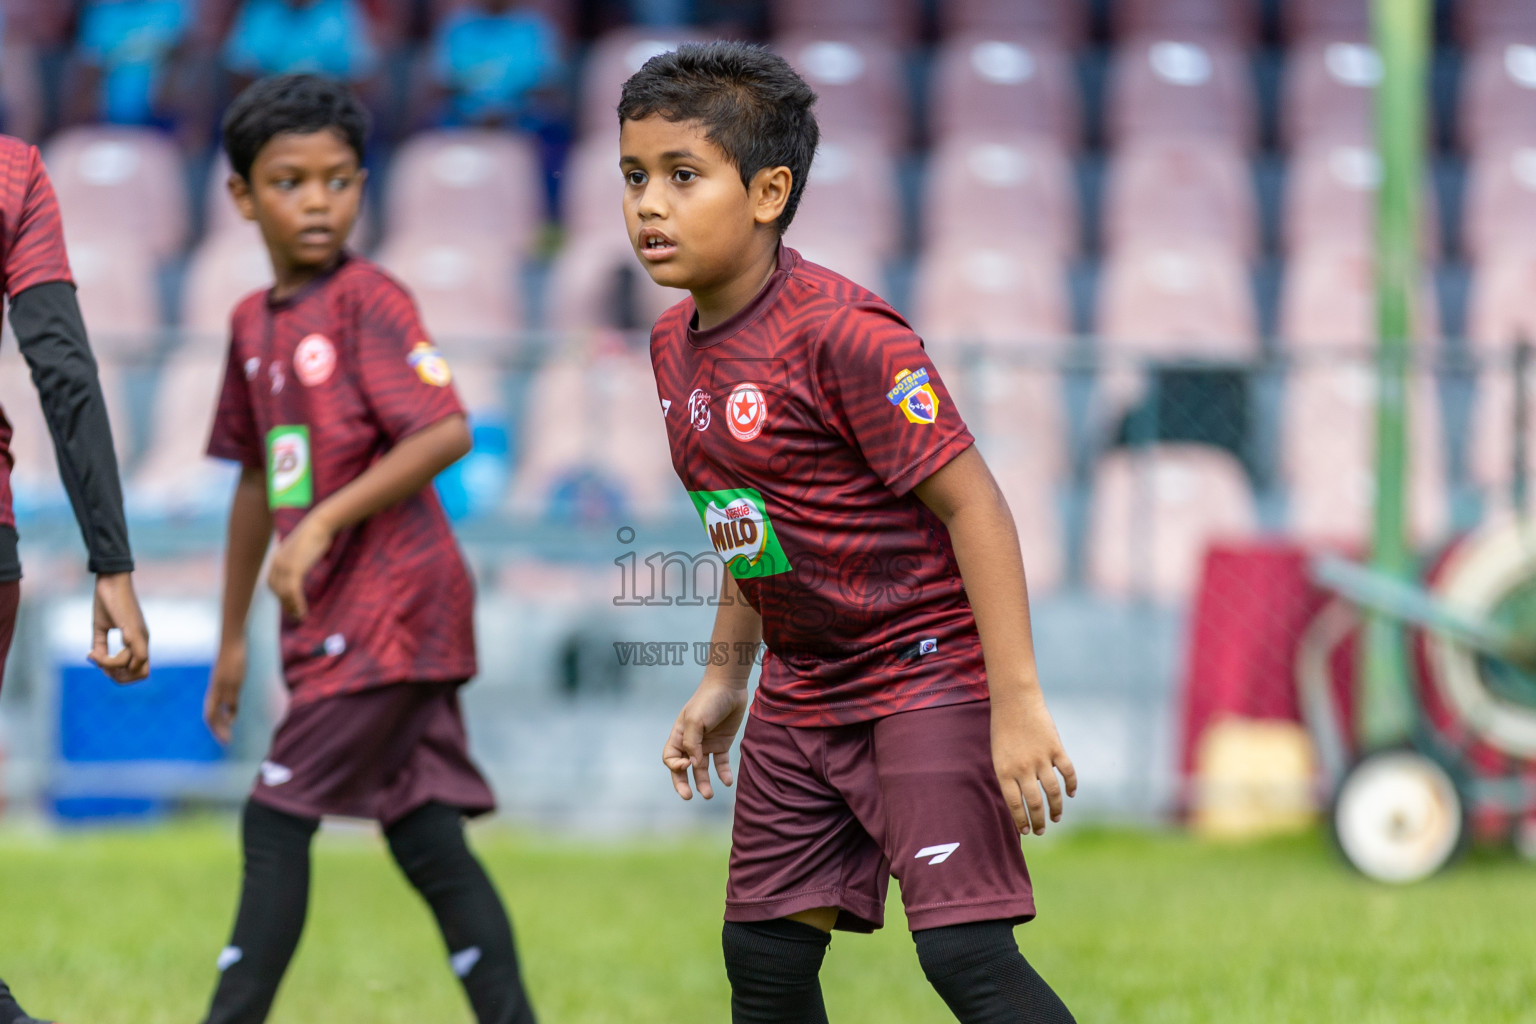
769,193
240,192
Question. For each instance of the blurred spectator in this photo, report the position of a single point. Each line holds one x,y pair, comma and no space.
497,63
330,37
123,59
32,43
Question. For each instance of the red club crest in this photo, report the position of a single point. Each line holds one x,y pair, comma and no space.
745,411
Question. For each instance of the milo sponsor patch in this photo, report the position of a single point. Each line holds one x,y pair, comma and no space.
737,523
290,474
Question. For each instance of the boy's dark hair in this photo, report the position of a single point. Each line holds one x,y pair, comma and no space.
290,103
750,102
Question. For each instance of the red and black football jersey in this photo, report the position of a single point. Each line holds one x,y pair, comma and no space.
799,428
31,253
316,389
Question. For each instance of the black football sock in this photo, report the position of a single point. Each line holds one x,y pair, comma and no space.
774,968
981,975
274,899
430,848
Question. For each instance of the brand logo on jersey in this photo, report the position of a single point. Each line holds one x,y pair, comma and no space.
429,364
738,526
745,411
698,409
914,396
290,480
274,774
314,360
939,853
927,646
277,377
666,406
252,367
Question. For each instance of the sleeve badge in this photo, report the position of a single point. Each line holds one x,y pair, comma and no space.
914,396
429,364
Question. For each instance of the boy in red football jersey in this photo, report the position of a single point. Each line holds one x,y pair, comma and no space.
899,727
341,412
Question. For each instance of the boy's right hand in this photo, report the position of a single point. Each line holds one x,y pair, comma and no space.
704,730
222,703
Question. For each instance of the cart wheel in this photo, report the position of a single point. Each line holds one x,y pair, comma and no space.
1398,817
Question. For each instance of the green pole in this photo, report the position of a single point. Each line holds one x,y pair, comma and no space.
1387,705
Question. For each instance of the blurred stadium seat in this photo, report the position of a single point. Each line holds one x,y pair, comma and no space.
1181,87
850,256
1000,190
1490,21
1155,511
175,476
1064,22
1502,307
1328,302
850,196
1009,295
1330,201
1327,443
1498,95
610,62
466,289
466,184
895,20
1006,85
1177,302
1326,19
1177,192
118,290
121,183
859,82
1329,91
1500,204
224,269
1234,20
597,282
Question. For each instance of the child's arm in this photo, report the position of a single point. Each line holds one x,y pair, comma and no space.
403,471
1026,751
707,725
250,531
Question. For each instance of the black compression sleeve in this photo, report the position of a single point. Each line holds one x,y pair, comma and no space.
52,338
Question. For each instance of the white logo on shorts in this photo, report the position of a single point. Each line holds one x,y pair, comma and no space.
274,774
464,961
229,956
939,853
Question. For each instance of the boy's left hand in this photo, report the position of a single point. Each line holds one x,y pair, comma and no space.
1026,754
296,555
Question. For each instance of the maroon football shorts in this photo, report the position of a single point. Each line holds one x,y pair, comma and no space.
824,817
10,597
376,754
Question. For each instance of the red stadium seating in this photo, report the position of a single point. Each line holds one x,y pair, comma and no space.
1001,191
1502,307
849,194
610,62
592,191
896,20
1498,96
224,269
1488,21
1181,192
859,83
467,185
1330,201
1491,451
1328,301
1327,19
1064,22
1192,301
1008,85
1329,93
1235,20
175,474
1182,87
1500,204
466,289
1327,443
1009,296
121,183
1156,510
589,276
119,294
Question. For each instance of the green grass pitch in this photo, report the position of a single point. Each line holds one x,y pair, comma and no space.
122,927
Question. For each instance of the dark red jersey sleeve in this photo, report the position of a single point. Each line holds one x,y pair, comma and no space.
235,436
34,231
405,379
879,390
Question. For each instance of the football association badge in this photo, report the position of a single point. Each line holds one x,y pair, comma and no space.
429,364
746,411
914,396
314,359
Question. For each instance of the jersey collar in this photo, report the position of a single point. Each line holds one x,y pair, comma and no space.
787,261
